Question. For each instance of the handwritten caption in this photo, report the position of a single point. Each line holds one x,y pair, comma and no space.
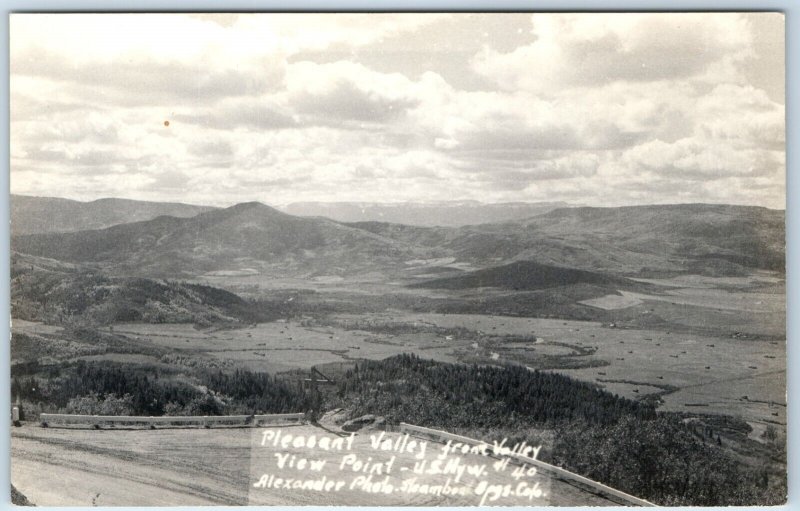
382,463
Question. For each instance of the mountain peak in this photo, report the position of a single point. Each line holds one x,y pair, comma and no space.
253,207
242,206
250,204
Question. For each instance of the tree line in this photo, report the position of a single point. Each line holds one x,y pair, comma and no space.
148,390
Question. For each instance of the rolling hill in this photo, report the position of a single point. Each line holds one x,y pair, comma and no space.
526,276
248,237
701,238
33,215
636,240
43,290
716,240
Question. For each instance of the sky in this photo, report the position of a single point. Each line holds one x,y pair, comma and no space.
594,109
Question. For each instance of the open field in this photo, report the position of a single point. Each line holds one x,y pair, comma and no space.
705,282
714,372
728,341
613,302
689,315
33,327
718,299
752,305
691,370
212,467
282,346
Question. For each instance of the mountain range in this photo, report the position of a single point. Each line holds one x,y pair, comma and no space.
426,214
34,215
635,240
255,238
245,237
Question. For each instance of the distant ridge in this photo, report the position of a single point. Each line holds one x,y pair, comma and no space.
709,239
247,236
425,214
35,215
640,241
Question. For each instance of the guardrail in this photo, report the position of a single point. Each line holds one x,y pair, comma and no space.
46,419
554,471
277,417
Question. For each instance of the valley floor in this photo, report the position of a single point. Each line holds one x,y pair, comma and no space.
691,373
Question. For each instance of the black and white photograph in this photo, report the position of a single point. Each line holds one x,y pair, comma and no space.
426,259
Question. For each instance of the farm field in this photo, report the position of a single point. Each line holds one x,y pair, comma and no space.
725,322
718,299
33,327
701,306
729,359
690,370
209,467
282,346
612,302
712,372
757,279
366,284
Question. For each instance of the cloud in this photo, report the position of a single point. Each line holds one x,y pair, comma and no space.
86,161
144,81
343,91
575,50
215,148
742,115
512,133
166,180
600,109
693,159
298,32
254,114
26,107
346,101
65,126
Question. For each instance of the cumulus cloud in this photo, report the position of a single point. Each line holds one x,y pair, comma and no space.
144,81
254,114
586,50
66,127
601,109
697,160
743,115
211,148
343,91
